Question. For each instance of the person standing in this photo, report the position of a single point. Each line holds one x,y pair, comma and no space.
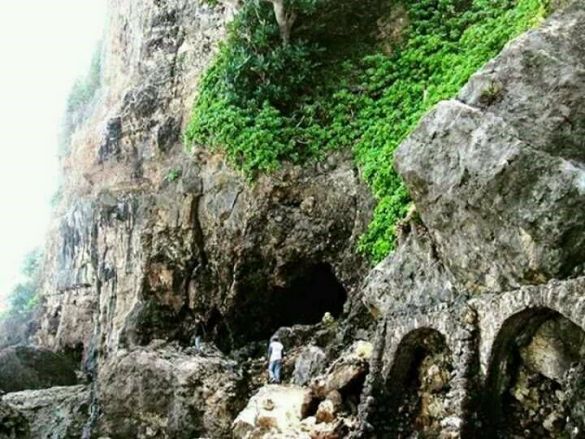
198,335
275,356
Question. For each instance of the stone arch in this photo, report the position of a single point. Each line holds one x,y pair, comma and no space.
418,378
527,387
493,311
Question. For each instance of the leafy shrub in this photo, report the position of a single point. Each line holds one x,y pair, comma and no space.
332,86
24,296
16,321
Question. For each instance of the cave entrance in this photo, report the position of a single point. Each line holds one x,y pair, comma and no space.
308,297
310,292
535,383
417,387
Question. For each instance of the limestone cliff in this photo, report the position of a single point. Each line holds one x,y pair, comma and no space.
148,237
473,326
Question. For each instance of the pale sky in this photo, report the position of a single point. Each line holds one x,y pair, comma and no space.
44,46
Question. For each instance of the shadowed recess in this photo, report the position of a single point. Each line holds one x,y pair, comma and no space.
309,293
417,387
531,388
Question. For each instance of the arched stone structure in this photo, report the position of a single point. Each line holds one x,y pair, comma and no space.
420,377
531,358
429,355
475,331
567,298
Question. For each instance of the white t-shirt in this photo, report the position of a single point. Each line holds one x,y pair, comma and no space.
276,349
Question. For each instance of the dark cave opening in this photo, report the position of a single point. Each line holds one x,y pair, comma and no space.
534,386
216,329
309,293
308,298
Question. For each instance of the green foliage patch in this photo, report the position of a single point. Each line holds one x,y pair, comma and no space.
173,175
336,85
24,296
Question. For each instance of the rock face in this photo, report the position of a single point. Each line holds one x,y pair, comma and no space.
473,310
555,346
413,277
273,410
544,380
23,368
56,412
12,424
148,238
166,393
135,254
491,259
308,364
497,175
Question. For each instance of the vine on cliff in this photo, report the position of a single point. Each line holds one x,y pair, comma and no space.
337,82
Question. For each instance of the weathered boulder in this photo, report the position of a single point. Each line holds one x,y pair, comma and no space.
556,345
326,412
412,277
309,363
57,412
27,367
274,409
347,374
13,425
497,176
167,393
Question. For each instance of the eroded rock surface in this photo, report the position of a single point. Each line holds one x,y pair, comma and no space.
25,367
497,176
541,382
13,425
274,410
163,392
309,363
148,239
413,277
60,412
492,250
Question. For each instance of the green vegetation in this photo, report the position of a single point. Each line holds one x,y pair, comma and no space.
79,102
24,297
335,84
173,175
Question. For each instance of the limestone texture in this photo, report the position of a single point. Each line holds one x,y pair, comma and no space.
163,392
499,182
273,410
490,259
473,327
56,412
25,367
149,239
12,424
